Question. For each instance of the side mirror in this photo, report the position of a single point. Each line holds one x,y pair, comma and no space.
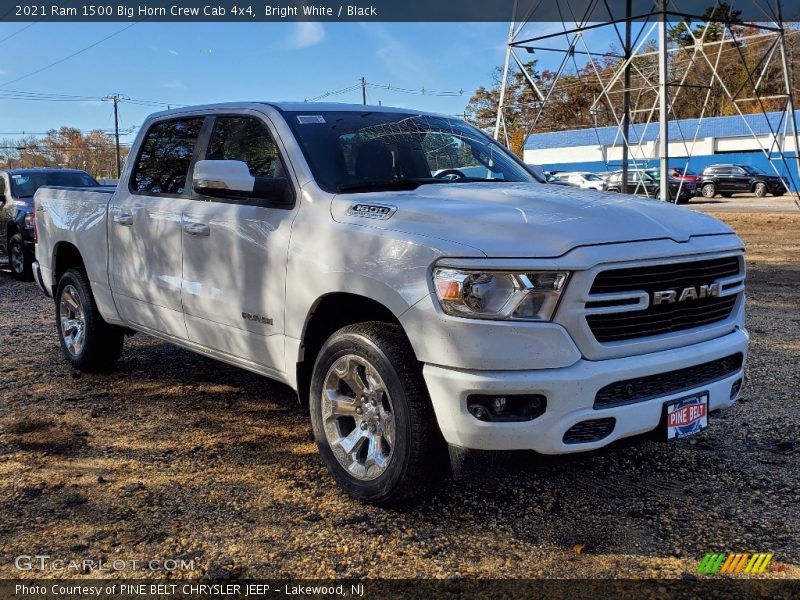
223,178
537,172
232,179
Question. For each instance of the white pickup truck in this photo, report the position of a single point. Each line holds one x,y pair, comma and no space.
414,281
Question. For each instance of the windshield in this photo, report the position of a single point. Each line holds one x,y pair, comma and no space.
24,185
354,151
753,170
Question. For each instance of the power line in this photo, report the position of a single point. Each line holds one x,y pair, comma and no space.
69,56
363,84
18,31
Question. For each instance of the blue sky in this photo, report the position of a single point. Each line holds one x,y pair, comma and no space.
194,63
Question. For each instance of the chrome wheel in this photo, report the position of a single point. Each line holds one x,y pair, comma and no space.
73,320
709,191
358,417
16,258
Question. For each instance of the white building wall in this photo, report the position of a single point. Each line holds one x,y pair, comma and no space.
563,155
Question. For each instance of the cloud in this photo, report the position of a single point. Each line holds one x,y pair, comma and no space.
305,35
174,84
399,59
173,52
3,72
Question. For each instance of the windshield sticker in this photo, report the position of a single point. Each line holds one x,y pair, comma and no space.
310,119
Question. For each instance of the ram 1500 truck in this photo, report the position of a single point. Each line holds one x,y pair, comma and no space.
410,278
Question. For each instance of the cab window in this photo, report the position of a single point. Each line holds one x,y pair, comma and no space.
164,160
248,140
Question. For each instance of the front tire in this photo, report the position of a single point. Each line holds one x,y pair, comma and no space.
87,341
709,190
18,259
371,415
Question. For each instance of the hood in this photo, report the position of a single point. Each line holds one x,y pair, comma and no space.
526,220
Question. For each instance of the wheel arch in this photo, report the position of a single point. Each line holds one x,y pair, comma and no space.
328,314
65,256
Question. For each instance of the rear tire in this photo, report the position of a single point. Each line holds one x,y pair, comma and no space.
18,259
709,190
760,190
87,341
372,419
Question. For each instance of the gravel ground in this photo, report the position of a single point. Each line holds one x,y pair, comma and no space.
174,455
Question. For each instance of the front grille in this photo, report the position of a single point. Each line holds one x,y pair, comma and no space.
663,384
589,431
665,317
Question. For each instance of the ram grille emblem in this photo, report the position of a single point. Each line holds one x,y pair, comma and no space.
687,293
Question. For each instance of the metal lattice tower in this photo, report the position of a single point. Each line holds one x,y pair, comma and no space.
655,94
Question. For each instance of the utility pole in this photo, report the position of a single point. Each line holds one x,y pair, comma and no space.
792,116
626,98
116,98
363,91
663,102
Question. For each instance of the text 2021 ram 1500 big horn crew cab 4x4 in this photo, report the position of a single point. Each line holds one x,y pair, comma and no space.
409,277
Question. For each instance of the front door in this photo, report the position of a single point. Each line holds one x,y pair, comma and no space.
145,231
234,253
740,180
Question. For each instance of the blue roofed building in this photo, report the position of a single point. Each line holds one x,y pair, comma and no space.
698,142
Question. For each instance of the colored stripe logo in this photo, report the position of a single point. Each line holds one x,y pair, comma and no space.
734,563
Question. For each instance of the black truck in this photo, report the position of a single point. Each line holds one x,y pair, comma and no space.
17,187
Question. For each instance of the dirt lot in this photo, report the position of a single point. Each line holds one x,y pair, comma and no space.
175,456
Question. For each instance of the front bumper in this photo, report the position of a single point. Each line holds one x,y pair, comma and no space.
570,393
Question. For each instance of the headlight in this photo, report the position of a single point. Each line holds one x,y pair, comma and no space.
524,296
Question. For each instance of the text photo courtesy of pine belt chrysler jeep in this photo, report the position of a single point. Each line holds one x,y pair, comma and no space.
410,278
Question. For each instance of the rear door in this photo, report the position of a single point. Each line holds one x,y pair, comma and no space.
235,249
144,228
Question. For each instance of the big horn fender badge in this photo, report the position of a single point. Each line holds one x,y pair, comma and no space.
371,211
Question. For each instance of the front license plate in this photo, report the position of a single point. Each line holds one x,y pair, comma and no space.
687,416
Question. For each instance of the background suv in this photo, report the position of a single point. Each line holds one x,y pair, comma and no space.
728,180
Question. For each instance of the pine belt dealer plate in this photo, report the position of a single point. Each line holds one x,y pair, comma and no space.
687,416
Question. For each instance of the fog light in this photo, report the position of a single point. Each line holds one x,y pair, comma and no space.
506,408
479,412
737,385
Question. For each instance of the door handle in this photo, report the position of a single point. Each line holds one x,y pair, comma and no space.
199,229
124,219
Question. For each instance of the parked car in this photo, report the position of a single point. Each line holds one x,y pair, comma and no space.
17,187
648,183
556,180
584,180
728,180
417,316
684,174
